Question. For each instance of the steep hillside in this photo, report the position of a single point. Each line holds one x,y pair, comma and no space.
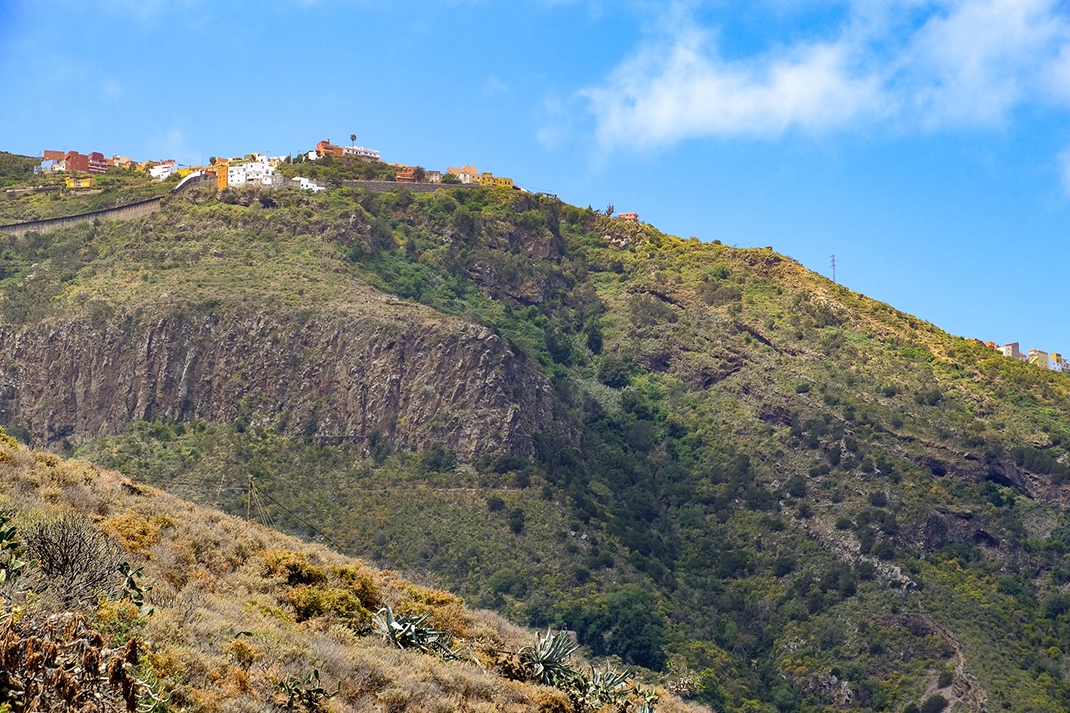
234,325
696,457
217,614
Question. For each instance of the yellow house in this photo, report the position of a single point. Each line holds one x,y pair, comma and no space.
80,182
489,180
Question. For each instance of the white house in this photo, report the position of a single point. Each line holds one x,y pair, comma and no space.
361,152
163,169
258,172
308,184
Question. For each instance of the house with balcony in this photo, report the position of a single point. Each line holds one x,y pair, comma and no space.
97,163
361,153
326,148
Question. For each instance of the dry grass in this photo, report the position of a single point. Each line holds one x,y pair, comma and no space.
239,608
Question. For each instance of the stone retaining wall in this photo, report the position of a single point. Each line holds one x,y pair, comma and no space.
47,225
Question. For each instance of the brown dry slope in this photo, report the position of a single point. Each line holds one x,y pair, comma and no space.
239,612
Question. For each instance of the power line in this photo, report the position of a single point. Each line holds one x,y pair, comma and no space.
305,522
254,497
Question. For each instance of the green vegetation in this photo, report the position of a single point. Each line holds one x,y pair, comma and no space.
115,188
799,495
15,169
216,615
332,171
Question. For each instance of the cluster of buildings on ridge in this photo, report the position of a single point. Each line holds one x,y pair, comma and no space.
256,169
1036,357
260,170
95,163
466,175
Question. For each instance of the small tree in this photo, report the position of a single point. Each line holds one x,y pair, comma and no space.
79,562
934,704
353,138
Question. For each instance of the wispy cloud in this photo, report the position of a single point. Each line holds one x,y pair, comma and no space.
916,63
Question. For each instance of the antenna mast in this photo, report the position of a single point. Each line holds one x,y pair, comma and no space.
834,268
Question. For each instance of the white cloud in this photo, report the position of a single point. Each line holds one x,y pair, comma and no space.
669,94
921,63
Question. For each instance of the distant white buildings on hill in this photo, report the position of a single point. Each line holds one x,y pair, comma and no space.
1036,357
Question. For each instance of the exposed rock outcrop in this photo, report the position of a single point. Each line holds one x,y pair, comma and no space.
399,373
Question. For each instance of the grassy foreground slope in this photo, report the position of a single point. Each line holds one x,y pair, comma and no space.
234,616
806,497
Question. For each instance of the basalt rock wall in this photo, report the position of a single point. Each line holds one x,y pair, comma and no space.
406,382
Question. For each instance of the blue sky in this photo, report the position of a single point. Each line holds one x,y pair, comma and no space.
925,143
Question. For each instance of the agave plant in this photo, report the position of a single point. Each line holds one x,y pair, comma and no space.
410,632
309,693
648,697
601,688
547,660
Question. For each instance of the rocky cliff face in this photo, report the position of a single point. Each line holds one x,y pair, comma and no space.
399,374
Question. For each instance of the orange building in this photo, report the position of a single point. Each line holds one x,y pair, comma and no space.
52,156
406,174
221,165
326,148
634,218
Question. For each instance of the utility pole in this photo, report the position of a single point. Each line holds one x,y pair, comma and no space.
834,268
249,500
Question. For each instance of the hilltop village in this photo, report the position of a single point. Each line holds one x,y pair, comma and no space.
260,170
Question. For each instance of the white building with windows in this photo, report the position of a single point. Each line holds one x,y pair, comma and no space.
361,152
308,184
258,172
163,169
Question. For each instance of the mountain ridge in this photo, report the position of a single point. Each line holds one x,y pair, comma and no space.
742,468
